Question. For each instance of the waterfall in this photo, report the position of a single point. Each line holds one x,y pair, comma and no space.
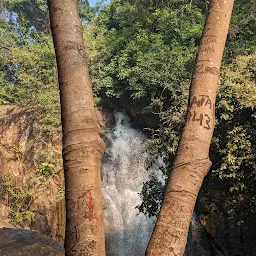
124,169
123,173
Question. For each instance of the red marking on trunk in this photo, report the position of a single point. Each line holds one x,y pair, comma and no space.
88,201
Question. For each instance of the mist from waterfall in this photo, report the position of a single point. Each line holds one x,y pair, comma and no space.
123,172
125,166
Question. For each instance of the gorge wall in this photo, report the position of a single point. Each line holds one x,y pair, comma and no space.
31,175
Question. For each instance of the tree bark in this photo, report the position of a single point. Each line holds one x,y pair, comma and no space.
82,145
192,158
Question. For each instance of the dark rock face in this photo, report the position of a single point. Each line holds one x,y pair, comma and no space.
14,242
139,116
229,233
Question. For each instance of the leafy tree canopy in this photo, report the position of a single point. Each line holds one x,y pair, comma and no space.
144,52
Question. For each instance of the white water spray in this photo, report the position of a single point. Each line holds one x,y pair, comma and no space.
123,173
124,169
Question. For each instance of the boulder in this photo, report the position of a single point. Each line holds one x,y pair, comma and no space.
21,242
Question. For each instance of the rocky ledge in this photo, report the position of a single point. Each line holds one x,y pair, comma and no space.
21,242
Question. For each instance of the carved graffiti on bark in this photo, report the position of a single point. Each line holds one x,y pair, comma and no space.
85,202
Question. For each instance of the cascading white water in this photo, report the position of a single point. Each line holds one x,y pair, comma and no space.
124,169
123,174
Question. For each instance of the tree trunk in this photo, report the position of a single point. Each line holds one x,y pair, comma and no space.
82,145
192,158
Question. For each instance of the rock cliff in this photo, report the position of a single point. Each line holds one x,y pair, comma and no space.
31,188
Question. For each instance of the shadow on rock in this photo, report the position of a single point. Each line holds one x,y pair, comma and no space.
27,243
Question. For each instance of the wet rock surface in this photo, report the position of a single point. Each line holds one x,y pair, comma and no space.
14,242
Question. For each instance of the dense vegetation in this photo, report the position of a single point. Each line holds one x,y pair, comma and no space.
146,58
143,53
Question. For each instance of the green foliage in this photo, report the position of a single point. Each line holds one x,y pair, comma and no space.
86,12
19,200
242,30
48,166
140,60
28,75
233,150
60,195
16,153
152,193
46,172
146,55
28,14
33,14
143,52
